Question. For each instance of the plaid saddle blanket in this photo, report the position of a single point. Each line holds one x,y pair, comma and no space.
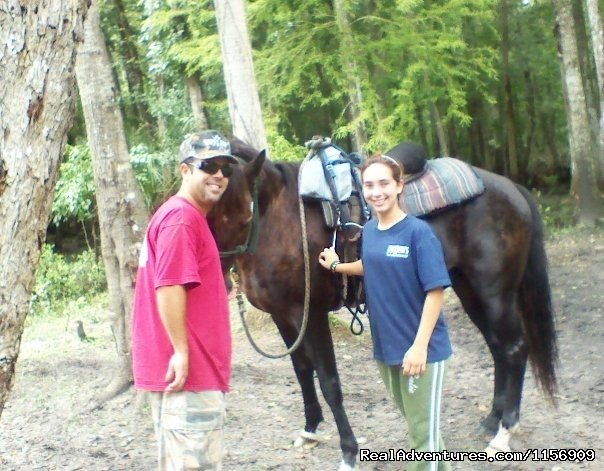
444,182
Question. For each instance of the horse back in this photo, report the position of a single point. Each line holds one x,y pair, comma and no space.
484,235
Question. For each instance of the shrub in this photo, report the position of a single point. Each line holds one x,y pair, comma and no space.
74,193
557,211
156,173
61,280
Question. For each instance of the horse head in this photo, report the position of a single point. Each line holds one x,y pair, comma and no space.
232,217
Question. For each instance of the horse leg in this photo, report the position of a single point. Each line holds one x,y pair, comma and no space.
509,348
304,369
321,345
476,312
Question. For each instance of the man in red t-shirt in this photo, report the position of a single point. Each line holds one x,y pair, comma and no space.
181,338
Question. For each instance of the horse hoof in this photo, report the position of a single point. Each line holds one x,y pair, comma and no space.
309,439
491,450
345,467
500,442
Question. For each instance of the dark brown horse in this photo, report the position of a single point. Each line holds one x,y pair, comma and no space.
494,252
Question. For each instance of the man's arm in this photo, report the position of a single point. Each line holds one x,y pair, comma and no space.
172,306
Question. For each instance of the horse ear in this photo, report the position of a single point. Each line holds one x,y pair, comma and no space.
253,168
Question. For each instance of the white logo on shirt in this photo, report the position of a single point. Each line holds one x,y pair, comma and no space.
144,255
400,251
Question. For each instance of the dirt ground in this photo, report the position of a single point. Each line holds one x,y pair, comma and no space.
46,424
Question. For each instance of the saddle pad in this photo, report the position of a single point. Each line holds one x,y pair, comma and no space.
445,181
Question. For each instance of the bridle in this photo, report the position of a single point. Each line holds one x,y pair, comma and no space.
253,232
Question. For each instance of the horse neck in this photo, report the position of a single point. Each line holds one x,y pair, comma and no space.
277,181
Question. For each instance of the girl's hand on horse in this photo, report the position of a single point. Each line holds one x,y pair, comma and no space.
327,257
414,361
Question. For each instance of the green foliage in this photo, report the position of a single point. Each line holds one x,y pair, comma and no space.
410,57
62,281
557,210
155,172
180,40
74,193
407,55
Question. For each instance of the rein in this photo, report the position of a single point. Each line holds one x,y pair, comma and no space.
251,241
250,246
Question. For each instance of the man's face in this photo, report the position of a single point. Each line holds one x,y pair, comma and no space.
206,184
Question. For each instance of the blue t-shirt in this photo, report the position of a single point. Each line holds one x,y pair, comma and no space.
401,264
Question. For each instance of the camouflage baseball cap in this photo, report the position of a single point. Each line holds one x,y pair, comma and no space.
205,145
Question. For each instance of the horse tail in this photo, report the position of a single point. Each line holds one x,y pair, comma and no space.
536,306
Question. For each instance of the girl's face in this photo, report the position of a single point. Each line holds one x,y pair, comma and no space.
380,188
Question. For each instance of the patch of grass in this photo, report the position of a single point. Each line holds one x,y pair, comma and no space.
51,336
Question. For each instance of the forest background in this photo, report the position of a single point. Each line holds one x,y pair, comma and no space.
515,87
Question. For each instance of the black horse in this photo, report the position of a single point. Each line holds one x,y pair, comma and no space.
494,252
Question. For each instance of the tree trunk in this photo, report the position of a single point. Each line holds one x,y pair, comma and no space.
122,213
597,41
583,150
439,129
162,124
588,69
239,76
510,121
481,157
355,93
532,121
421,128
37,53
135,76
196,99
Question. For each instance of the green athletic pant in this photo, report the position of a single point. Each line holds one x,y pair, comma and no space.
418,399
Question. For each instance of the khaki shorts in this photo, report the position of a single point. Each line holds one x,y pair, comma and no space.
189,429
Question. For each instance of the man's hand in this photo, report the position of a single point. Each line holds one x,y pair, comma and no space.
178,370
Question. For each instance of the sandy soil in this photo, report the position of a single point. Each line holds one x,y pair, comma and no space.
47,424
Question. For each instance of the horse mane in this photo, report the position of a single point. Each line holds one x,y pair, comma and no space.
285,173
289,172
242,150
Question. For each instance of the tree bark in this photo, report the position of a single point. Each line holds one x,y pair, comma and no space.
239,76
439,129
597,41
510,121
532,121
351,73
135,76
122,213
196,99
37,53
480,155
583,150
162,124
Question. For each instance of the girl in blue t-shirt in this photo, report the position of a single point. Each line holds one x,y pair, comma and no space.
405,277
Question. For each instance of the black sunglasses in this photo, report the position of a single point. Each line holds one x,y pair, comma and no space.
211,168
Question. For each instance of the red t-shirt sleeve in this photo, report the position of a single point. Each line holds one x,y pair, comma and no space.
176,256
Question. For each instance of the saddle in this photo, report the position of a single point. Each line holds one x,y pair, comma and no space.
331,177
439,184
